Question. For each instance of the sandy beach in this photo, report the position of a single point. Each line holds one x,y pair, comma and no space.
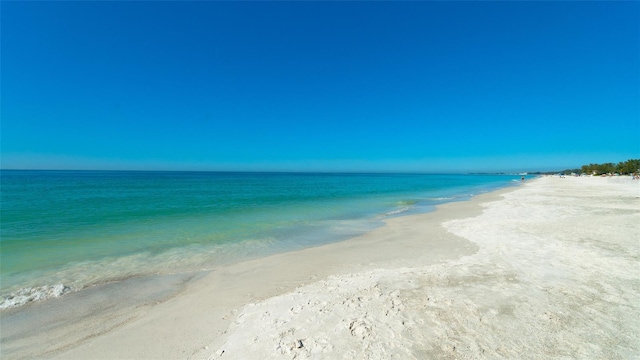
549,269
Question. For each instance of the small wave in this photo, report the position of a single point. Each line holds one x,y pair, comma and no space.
442,198
446,198
407,202
27,295
398,211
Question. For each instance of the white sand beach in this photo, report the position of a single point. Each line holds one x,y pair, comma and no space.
556,276
547,270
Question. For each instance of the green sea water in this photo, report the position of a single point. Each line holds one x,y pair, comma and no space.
81,228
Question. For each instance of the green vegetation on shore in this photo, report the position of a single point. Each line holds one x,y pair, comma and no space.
630,166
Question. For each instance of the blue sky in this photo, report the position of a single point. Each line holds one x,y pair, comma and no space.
319,86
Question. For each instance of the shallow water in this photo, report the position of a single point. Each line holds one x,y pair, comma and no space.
81,228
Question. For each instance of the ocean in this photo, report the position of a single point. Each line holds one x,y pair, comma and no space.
64,231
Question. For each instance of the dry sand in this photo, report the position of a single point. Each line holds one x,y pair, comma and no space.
548,270
557,275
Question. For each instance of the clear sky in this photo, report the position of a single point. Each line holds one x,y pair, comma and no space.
319,86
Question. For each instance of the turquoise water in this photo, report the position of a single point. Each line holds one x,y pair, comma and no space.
81,228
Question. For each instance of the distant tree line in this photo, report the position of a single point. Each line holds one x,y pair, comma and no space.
631,166
627,167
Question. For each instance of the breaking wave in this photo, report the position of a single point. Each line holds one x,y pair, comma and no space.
27,295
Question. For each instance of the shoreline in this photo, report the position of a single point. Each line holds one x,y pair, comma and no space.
97,315
207,240
476,284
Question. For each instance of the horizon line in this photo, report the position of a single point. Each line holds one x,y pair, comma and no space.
513,172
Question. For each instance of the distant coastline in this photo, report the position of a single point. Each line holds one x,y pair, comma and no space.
631,166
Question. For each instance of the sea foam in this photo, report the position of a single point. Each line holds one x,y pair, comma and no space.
27,295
